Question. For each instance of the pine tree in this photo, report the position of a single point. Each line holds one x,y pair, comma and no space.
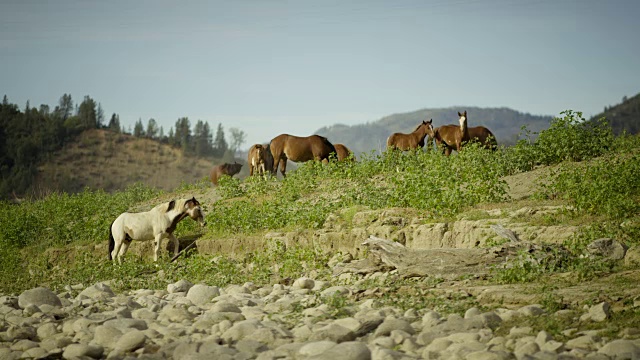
183,134
88,114
138,130
152,129
219,144
114,123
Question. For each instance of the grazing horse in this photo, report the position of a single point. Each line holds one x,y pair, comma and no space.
413,140
452,137
343,153
157,223
224,169
298,149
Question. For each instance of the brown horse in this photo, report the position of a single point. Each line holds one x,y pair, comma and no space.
257,159
224,169
413,140
452,137
298,149
343,153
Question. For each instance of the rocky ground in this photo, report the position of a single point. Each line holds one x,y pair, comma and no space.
305,320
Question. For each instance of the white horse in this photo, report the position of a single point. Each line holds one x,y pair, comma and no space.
157,223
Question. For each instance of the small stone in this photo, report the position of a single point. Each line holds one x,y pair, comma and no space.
315,348
99,291
200,294
600,312
38,296
82,350
179,286
131,341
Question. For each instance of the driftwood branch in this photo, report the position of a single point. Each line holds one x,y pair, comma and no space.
448,263
182,251
505,233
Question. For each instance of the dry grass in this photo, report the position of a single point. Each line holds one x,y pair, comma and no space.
101,159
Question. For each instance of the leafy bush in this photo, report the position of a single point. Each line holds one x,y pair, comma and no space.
609,187
572,138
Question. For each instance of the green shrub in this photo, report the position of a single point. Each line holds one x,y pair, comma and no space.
572,138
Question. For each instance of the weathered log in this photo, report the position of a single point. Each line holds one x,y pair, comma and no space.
446,263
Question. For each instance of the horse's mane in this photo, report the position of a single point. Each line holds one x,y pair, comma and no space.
418,127
164,207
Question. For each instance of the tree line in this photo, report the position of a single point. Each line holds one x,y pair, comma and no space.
30,135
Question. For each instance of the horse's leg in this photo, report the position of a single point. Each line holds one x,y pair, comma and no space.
123,249
176,244
115,253
158,243
283,167
251,169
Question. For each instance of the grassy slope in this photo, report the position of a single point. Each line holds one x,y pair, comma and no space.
101,159
83,261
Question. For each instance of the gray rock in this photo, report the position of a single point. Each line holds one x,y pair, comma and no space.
240,330
303,283
144,314
586,342
531,310
37,353
351,350
179,286
174,314
315,348
488,355
251,347
379,353
47,330
390,324
598,313
471,312
608,248
106,336
74,351
334,333
335,291
125,324
621,349
200,294
224,306
99,291
38,296
131,341
20,332
23,345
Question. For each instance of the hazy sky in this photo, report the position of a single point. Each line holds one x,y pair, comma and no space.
272,67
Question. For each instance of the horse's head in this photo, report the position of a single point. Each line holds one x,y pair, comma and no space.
232,169
429,125
462,117
194,211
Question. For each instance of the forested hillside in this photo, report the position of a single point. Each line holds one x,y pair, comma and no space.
30,139
624,116
503,122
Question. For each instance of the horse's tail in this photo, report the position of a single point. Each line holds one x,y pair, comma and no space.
112,242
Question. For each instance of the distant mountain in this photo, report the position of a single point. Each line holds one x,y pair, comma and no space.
503,122
624,116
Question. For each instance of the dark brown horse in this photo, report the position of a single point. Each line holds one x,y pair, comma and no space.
298,149
452,137
413,140
224,169
343,153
